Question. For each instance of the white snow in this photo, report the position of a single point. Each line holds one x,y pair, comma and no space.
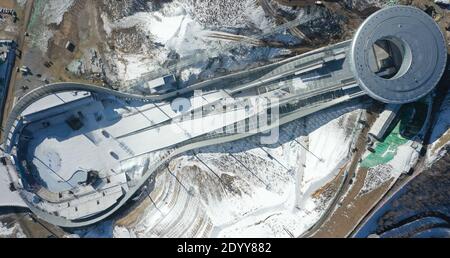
160,27
440,128
256,16
264,214
49,12
122,232
14,230
43,36
223,13
170,26
176,31
405,158
262,202
7,197
54,10
6,231
328,147
183,27
132,66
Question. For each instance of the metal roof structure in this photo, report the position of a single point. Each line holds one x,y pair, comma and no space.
422,48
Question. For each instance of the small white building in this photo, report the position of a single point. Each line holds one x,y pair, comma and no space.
161,85
383,122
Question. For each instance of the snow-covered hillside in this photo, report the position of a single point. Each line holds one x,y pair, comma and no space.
243,189
11,230
441,133
180,29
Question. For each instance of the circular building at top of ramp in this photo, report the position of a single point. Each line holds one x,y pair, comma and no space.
398,55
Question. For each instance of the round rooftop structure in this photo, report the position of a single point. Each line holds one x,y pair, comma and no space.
398,55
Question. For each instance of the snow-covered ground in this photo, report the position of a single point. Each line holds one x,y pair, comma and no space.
441,133
170,26
8,231
376,177
361,5
405,159
442,2
329,146
8,198
242,189
182,28
45,14
54,10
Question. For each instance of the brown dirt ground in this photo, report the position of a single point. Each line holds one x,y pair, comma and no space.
8,4
352,208
80,25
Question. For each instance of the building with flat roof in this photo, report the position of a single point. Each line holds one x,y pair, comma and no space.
384,121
